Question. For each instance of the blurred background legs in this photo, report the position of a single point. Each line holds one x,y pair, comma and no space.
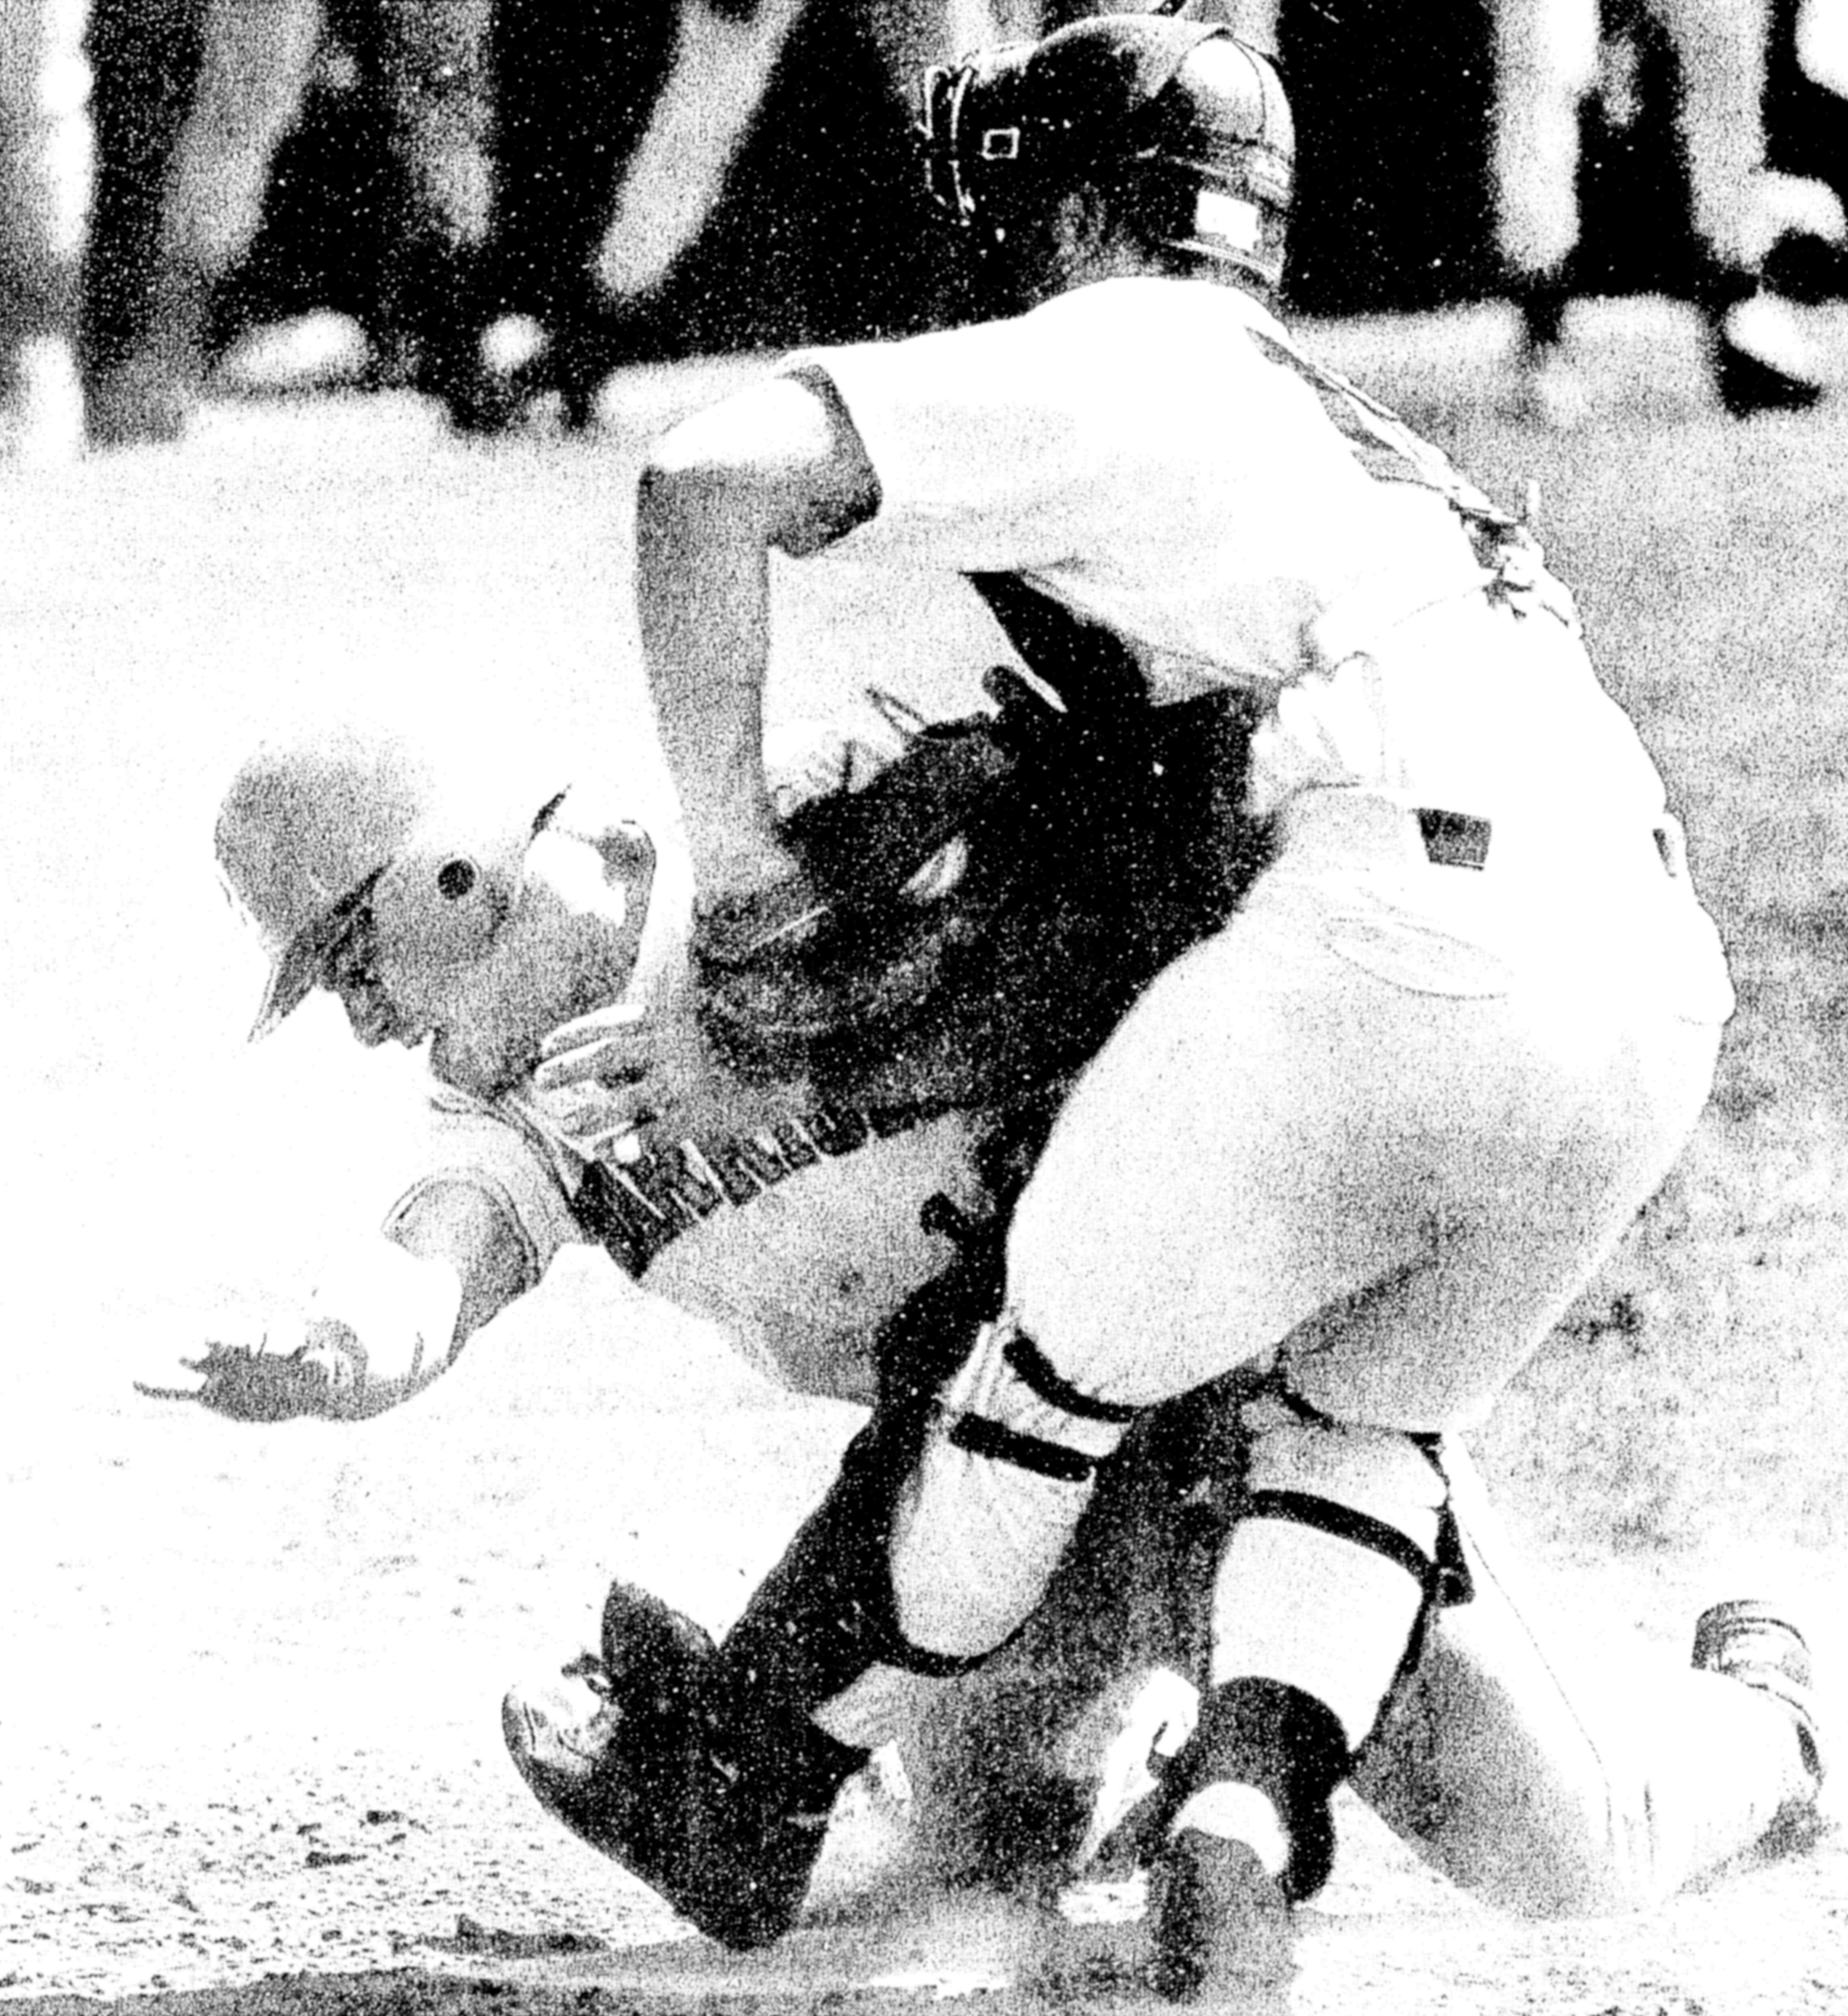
195,101
44,178
577,88
633,137
1741,210
1568,71
436,61
498,203
1546,63
193,98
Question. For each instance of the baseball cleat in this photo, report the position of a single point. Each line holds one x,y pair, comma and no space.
617,1756
1765,357
557,1745
1222,1926
588,1760
1747,1641
1748,384
725,1820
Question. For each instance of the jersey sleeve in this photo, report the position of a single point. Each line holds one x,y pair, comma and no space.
470,1142
984,462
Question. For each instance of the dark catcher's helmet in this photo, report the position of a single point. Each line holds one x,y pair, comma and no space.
1187,127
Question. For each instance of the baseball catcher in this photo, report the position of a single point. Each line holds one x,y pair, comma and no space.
1336,1169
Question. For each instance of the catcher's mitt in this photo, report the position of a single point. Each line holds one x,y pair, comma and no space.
971,924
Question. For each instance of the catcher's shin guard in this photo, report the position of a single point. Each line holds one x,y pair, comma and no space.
1006,1470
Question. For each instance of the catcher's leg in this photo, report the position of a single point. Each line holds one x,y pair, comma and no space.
1405,1188
1349,1515
1555,1774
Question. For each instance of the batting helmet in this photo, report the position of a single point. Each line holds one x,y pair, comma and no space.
1186,122
310,830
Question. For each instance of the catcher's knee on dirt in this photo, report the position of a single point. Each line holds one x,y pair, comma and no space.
1322,1590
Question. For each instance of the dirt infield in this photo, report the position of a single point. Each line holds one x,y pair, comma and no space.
253,1761
250,1761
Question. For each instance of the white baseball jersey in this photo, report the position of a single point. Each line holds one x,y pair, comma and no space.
1286,535
1262,549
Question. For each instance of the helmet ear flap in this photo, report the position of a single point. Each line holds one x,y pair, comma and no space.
439,905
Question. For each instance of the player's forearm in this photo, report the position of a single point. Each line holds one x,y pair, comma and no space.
778,467
702,588
387,1318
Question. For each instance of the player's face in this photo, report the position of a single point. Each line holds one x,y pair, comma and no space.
350,970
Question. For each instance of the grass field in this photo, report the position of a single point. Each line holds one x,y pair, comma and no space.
232,1651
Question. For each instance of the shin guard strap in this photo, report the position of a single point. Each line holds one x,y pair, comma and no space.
1035,1371
826,1612
980,1436
1342,1522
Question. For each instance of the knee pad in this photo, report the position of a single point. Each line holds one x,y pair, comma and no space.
1006,1470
